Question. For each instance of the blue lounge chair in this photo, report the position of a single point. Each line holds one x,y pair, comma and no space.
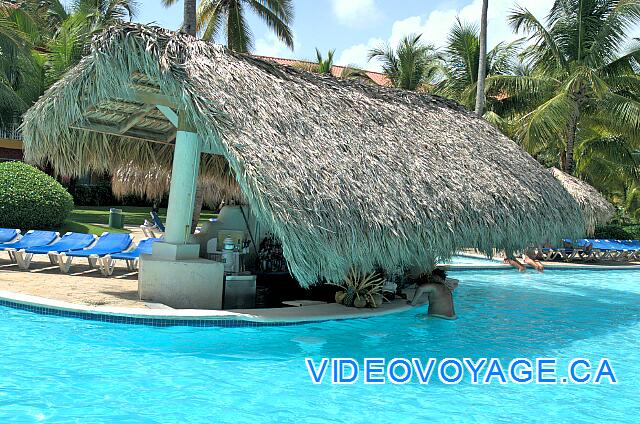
69,241
131,257
107,244
8,235
157,221
150,229
608,250
630,243
32,238
572,249
616,250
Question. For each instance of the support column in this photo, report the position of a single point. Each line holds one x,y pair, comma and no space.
184,180
178,243
174,274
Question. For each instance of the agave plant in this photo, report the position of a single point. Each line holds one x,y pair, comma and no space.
360,289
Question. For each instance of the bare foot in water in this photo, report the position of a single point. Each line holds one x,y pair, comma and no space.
514,263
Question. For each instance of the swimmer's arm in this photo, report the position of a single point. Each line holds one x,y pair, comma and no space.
425,288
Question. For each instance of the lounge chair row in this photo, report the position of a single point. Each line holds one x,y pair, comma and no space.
101,252
594,249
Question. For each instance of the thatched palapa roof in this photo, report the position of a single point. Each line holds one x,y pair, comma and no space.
596,210
345,174
154,184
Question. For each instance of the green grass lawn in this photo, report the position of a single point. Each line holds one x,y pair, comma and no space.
95,220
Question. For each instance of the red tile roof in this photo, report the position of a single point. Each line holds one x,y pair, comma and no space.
377,77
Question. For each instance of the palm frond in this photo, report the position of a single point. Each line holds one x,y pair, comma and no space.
547,124
278,15
210,17
239,35
615,21
522,19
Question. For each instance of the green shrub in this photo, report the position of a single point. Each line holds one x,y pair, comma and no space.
30,199
634,230
612,232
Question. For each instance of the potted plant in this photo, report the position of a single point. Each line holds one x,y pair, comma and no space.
360,290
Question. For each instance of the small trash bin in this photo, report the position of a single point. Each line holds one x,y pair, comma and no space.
116,219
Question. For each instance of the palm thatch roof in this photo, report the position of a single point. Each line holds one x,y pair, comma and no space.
154,184
345,174
596,210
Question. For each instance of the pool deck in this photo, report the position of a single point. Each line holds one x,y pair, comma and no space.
85,290
290,315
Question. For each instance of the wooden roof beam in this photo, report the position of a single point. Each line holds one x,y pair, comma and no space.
131,133
152,98
135,118
169,113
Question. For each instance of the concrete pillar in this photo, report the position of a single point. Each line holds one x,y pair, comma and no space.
184,179
174,274
178,242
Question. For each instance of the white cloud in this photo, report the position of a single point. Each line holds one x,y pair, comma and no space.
357,55
270,45
435,27
356,13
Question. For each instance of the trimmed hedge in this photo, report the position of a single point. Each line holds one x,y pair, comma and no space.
634,230
30,199
612,232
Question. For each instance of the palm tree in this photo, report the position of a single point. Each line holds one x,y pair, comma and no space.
324,66
579,81
103,13
482,62
411,65
215,15
20,69
76,27
460,68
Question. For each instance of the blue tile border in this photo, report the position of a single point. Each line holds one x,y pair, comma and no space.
154,322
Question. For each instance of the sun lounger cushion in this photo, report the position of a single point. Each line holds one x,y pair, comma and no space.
69,241
33,238
144,247
107,244
8,234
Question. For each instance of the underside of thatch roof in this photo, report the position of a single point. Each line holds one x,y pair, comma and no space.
153,184
596,210
345,174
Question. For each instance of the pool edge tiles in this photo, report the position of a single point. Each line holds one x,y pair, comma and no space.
191,317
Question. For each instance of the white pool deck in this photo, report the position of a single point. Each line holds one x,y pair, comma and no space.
321,312
84,292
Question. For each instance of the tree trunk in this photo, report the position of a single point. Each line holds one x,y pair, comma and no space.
189,24
482,61
571,137
197,208
189,27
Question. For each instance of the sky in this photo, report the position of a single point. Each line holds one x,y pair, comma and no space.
352,27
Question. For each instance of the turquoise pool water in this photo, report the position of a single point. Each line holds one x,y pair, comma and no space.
56,369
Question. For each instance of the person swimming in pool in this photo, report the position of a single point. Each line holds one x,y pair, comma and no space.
534,263
514,262
438,289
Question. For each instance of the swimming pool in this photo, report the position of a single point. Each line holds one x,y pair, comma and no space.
57,369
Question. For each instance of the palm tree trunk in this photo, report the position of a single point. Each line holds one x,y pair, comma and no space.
189,24
189,27
482,62
571,137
